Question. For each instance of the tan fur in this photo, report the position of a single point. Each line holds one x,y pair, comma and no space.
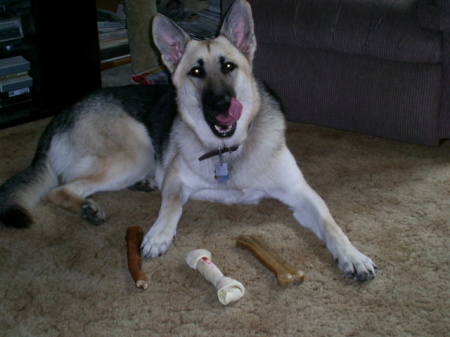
109,152
64,198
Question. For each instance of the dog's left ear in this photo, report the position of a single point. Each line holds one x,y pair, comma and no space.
170,39
239,29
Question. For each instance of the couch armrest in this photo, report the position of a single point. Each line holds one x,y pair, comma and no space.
435,14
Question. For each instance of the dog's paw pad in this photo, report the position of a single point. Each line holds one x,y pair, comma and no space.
92,213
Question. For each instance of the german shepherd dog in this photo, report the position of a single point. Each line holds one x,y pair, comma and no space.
215,135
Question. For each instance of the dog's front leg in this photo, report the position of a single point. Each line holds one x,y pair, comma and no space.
158,239
312,212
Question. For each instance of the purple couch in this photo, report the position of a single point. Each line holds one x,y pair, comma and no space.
378,67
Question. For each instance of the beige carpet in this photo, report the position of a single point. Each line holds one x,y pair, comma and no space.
64,277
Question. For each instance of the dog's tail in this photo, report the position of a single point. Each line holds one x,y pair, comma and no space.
21,193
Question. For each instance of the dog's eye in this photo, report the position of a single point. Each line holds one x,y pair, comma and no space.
228,67
197,72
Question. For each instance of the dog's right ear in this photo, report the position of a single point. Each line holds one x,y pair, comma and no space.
170,39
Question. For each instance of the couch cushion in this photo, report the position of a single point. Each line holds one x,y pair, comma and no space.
396,100
387,29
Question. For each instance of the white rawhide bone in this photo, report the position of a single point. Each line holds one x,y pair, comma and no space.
228,289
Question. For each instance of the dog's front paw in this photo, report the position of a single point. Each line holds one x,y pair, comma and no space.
156,242
356,265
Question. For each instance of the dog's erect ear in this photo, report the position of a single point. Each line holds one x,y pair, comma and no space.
238,28
170,39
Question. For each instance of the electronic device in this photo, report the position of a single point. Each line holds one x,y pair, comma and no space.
11,32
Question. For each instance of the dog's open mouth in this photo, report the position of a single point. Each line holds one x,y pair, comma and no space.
224,130
224,125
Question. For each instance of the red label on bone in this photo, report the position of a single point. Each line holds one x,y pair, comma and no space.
206,260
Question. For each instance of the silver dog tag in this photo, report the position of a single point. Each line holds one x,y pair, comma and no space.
221,172
221,169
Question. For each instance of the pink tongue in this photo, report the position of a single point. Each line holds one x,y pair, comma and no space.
234,113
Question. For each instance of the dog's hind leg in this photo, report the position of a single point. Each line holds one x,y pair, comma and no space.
93,159
116,174
107,174
71,197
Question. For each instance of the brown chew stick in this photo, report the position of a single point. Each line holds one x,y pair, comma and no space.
286,273
134,238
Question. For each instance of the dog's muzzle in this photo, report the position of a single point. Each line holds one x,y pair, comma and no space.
222,111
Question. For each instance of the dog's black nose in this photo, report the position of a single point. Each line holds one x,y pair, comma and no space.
216,103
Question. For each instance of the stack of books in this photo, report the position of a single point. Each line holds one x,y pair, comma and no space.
113,36
15,83
199,18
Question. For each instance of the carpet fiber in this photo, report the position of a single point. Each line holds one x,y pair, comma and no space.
64,277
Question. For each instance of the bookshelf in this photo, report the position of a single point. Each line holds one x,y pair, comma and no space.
61,46
60,42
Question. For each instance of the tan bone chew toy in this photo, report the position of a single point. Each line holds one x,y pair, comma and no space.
134,239
286,273
228,289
